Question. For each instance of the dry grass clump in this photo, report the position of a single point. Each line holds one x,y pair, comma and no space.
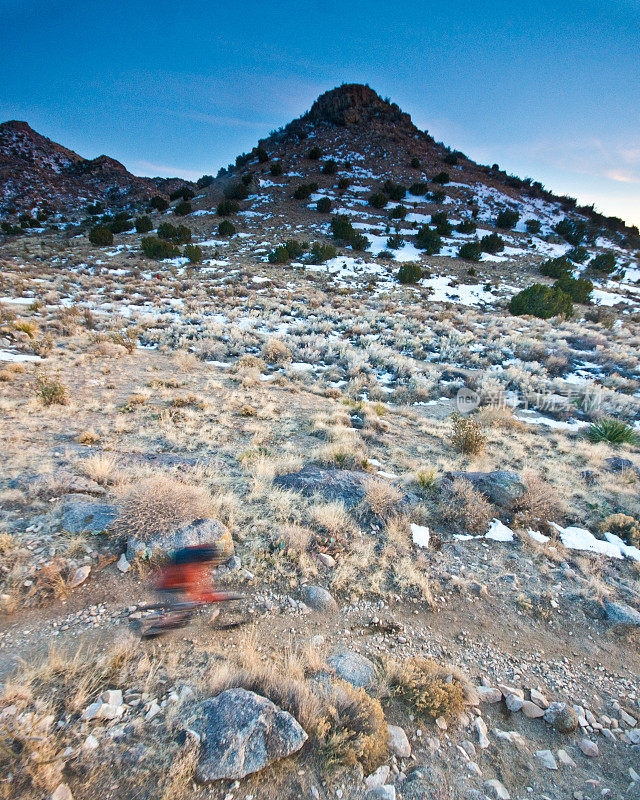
89,436
276,351
467,435
624,526
500,417
127,339
50,390
432,690
332,518
383,499
103,468
295,539
249,362
539,504
158,504
464,509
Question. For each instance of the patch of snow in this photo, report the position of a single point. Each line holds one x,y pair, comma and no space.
420,535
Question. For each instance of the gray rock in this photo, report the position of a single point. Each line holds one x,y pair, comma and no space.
619,464
622,614
398,741
200,531
352,667
496,790
563,717
547,759
243,733
377,778
386,792
318,599
426,783
589,748
80,513
531,710
488,694
502,487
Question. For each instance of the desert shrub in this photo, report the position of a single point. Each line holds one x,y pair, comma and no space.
343,184
466,226
341,227
227,207
121,223
305,190
430,689
507,219
50,390
127,339
330,167
395,191
236,191
470,251
467,435
464,509
395,242
533,226
378,200
409,272
157,505
442,224
359,732
286,252
226,228
276,168
359,241
438,196
613,431
605,262
276,351
441,177
398,212
143,224
183,208
193,253
184,192
572,231
178,234
540,502
428,240
158,249
101,236
624,526
419,189
324,205
492,243
159,203
321,252
556,267
415,162
578,254
262,154
314,154
204,181
578,289
247,178
542,301
451,159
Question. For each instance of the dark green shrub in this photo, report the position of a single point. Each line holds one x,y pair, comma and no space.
324,205
143,224
286,252
443,226
395,191
419,189
542,301
415,162
262,154
227,207
305,190
226,228
236,191
96,208
158,249
398,212
321,252
329,167
451,159
556,267
359,241
409,272
573,231
10,230
441,177
121,223
179,234
204,181
438,196
428,240
341,227
185,193
507,219
276,168
193,253
578,254
578,289
315,153
247,178
492,243
395,242
101,236
605,262
159,203
343,184
183,208
466,226
470,251
378,200
533,226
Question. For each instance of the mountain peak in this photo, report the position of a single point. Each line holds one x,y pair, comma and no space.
353,104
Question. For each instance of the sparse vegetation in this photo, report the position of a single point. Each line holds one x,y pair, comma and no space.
613,431
101,236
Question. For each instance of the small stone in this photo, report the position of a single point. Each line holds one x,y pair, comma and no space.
123,565
113,697
565,758
79,576
62,792
546,758
441,722
481,729
531,710
563,718
589,748
469,748
387,792
326,560
633,735
487,694
319,599
90,743
496,790
539,699
513,702
627,719
398,741
474,769
377,778
352,667
507,690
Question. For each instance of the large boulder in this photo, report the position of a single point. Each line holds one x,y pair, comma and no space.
622,614
200,531
352,667
243,733
344,485
80,513
426,783
319,599
562,716
502,487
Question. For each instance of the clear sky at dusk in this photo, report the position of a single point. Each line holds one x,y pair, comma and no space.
549,90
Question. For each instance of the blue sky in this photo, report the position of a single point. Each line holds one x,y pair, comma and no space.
549,90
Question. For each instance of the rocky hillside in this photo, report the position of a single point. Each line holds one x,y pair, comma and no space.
37,174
